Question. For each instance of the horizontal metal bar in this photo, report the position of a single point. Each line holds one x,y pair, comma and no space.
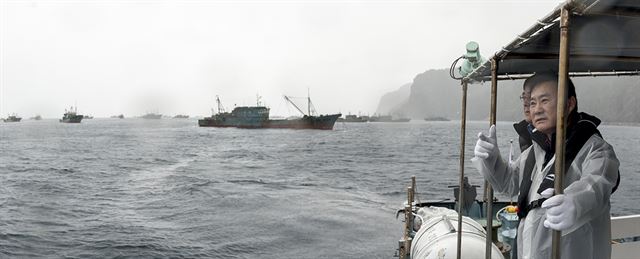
571,74
573,57
617,12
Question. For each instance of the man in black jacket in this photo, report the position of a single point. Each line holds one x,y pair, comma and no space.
524,127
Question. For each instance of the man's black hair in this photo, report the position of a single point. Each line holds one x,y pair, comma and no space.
550,76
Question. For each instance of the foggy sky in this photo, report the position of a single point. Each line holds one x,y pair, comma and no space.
174,57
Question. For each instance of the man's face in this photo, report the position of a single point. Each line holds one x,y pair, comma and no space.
526,99
543,107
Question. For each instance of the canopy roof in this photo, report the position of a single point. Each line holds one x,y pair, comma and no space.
604,39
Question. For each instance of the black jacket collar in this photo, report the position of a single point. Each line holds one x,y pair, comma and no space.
581,127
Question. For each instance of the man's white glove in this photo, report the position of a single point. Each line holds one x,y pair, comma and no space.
487,147
561,210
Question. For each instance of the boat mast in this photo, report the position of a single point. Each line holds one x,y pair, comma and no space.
220,108
294,105
310,108
308,102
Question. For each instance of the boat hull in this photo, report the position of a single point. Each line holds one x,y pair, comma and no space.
324,122
12,120
388,118
72,119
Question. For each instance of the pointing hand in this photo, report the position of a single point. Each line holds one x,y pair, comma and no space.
487,146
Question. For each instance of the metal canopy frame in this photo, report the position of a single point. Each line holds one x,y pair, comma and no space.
603,43
570,40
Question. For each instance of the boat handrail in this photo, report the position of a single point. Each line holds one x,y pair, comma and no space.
625,235
625,226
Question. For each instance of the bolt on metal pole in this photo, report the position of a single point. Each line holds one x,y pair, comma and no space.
489,189
463,125
561,120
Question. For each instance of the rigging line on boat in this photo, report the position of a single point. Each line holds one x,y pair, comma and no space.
311,109
294,105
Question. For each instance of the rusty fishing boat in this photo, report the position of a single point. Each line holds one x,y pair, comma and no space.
257,117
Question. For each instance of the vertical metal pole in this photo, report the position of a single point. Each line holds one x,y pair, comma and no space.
408,212
463,125
410,200
561,120
413,187
489,189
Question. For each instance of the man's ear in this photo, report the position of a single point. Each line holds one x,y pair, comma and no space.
571,104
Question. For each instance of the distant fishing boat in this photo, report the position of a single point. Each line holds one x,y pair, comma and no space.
258,117
401,120
117,116
153,116
37,117
436,119
354,118
181,116
71,116
388,118
12,118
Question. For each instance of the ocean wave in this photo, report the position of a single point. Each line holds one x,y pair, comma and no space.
249,181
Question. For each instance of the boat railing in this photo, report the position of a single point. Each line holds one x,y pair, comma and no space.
625,236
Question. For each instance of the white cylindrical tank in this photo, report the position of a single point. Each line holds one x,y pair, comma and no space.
438,237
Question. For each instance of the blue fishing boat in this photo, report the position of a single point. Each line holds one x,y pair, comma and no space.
71,116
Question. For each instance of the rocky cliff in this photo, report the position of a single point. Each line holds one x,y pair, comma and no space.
434,94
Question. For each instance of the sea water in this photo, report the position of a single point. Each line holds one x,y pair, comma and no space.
138,188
